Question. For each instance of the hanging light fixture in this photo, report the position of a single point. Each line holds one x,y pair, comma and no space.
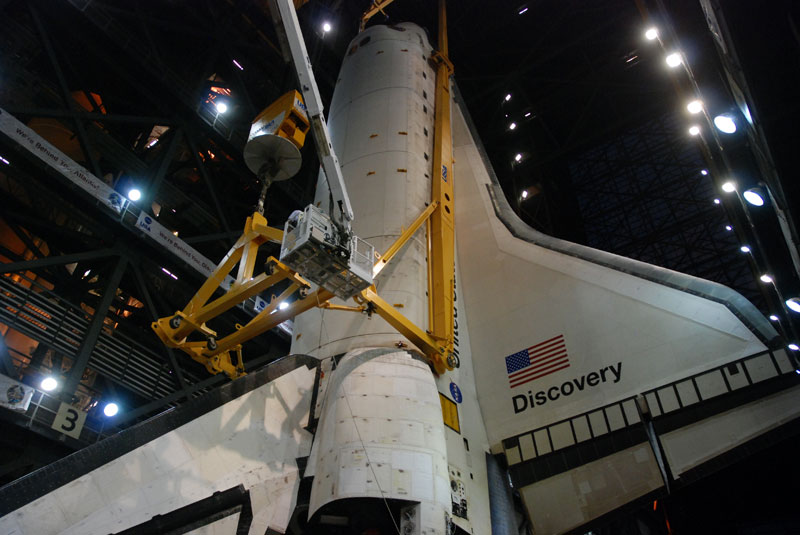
754,196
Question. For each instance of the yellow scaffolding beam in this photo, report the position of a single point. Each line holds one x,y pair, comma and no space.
441,243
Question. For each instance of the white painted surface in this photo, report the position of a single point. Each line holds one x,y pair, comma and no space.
381,435
470,463
253,440
378,123
697,443
224,526
518,294
567,500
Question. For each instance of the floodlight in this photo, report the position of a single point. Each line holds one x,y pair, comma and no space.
725,123
221,107
326,27
49,384
651,34
111,409
793,303
754,196
694,130
729,187
134,194
674,60
695,106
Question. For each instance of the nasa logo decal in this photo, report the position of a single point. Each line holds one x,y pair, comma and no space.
456,392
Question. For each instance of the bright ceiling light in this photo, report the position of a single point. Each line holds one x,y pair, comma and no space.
221,107
744,249
518,157
695,106
704,172
283,306
728,228
729,187
523,10
651,34
326,27
773,317
508,97
725,123
49,384
765,278
134,194
674,59
694,130
717,201
512,126
111,409
754,197
524,194
527,114
793,303
794,347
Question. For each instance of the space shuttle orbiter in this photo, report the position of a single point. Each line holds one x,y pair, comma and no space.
584,380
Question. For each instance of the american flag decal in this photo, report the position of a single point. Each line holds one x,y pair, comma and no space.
537,361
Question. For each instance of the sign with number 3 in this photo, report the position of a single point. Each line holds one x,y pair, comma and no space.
69,420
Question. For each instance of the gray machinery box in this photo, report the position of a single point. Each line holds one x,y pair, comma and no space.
311,248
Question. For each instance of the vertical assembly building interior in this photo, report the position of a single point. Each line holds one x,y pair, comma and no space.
624,304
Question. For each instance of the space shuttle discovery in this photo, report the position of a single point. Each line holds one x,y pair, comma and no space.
581,380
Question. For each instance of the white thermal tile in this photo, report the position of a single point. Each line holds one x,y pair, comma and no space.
130,503
42,517
10,526
79,499
141,465
113,481
422,486
169,452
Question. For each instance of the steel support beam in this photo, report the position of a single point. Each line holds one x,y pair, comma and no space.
224,236
88,116
89,341
148,300
209,185
6,363
163,166
31,265
69,102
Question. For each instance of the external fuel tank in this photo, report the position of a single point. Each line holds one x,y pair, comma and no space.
381,123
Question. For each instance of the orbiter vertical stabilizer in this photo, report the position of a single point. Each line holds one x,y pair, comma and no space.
583,358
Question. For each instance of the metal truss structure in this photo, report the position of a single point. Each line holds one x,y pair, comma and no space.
644,195
130,94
